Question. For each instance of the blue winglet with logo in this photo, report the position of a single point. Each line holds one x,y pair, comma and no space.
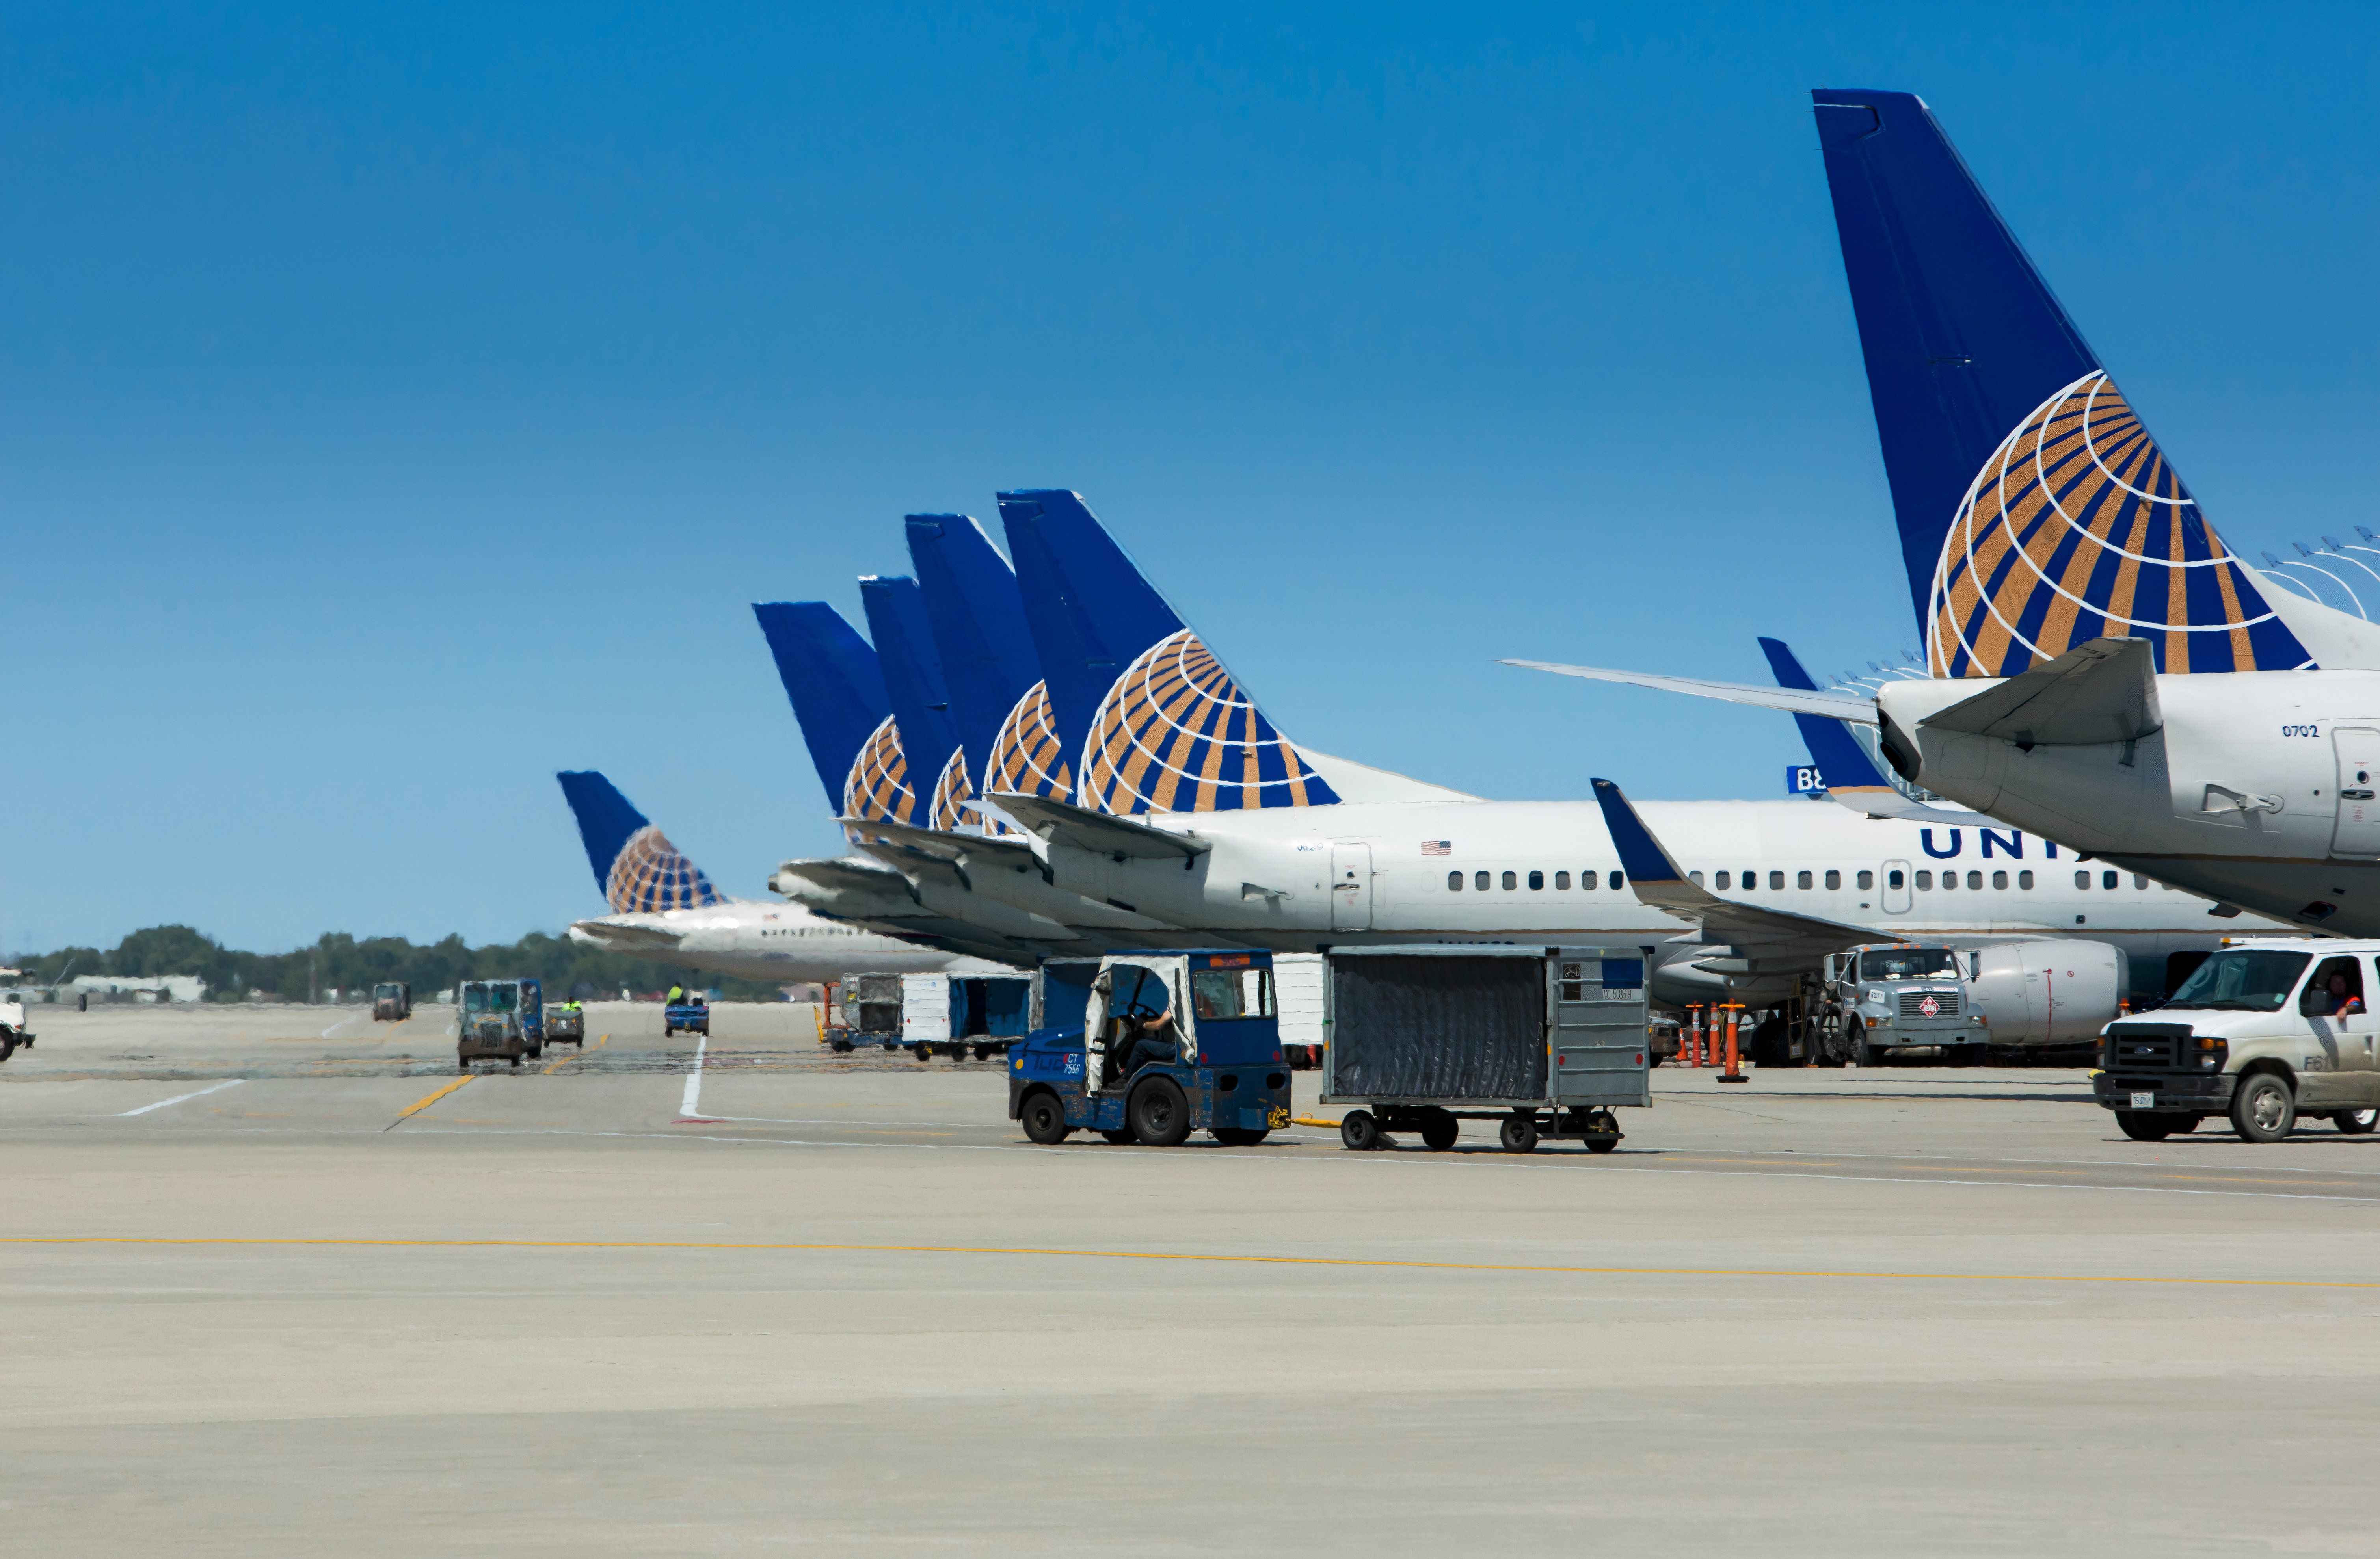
2035,511
1641,855
1841,760
636,866
836,687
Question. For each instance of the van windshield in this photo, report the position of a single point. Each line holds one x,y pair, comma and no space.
1910,963
2242,981
488,998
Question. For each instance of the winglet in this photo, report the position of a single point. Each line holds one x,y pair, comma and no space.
1646,862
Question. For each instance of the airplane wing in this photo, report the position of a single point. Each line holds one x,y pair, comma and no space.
1768,941
1100,833
1793,700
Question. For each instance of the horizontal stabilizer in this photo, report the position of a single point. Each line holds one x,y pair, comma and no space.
1101,833
944,846
1771,939
616,936
1793,700
2100,691
1884,801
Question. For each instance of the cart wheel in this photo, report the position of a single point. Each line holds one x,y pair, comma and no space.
464,1067
1438,1131
892,1044
1044,1120
1520,1133
1360,1131
516,1061
1122,1137
923,1052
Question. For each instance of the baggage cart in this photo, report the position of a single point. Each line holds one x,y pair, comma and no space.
1546,1041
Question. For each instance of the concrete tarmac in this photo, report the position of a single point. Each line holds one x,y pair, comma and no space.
277,1280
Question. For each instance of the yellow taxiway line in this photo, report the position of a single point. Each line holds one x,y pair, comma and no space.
1364,1261
428,1100
577,1054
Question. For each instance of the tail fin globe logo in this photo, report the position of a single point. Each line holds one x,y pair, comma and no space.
952,793
651,874
1026,756
878,790
1176,734
2077,528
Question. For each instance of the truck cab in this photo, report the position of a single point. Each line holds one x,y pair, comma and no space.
392,1001
1904,993
1169,1044
499,1018
2266,1031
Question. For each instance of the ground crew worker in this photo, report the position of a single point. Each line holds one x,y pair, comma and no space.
677,995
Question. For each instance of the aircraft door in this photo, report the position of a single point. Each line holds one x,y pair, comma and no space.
1351,887
1894,884
2357,832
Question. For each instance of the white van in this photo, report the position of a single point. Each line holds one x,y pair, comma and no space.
2265,1031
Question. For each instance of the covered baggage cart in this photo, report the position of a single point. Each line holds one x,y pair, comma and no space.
954,1014
1546,1041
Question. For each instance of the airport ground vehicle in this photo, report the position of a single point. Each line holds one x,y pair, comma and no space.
503,1019
2266,1031
1299,988
1171,1043
952,1014
392,1001
692,1015
566,1025
864,1010
13,1035
1895,994
1549,1040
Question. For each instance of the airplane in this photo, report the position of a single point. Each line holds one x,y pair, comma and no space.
664,908
2103,670
1187,808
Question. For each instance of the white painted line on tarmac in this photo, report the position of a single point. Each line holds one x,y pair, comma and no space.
180,1098
693,1079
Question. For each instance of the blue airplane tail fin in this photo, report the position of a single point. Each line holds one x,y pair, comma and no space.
1159,724
921,703
978,615
1841,762
636,866
837,689
2035,511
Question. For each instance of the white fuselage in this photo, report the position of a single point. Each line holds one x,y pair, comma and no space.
2247,793
769,941
1295,878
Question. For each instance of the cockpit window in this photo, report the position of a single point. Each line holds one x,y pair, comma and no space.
2242,980
1910,963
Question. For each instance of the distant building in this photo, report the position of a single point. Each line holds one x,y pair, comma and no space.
142,987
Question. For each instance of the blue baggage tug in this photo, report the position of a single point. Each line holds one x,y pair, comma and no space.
1168,1044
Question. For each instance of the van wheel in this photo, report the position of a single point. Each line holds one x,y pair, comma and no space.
1438,1131
2143,1126
1359,1129
2264,1109
1045,1119
1160,1115
2356,1123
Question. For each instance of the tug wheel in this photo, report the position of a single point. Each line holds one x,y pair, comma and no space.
1160,1115
1045,1119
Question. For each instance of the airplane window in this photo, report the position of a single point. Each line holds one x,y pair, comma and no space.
1454,882
2110,879
1868,880
1511,882
2000,879
1536,882
1750,880
2081,879
1776,880
1720,878
1926,879
2141,883
1976,880
1697,878
1618,882
1891,879
2025,879
1949,880
1561,880
1479,881
1587,881
1801,880
1834,880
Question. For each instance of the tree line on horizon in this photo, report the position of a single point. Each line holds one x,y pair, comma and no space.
341,961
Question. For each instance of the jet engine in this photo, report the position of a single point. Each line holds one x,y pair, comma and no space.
2048,993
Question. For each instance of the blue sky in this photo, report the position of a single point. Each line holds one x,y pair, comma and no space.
403,405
